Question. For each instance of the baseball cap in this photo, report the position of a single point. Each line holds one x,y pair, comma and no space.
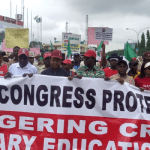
147,65
90,53
76,54
133,63
56,54
122,61
47,54
23,51
31,54
67,61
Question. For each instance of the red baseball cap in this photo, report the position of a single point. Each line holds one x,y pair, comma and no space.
56,54
67,61
23,51
90,53
47,54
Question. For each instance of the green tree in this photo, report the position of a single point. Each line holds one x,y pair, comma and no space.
142,47
2,36
147,34
35,44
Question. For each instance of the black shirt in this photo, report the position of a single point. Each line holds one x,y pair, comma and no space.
59,72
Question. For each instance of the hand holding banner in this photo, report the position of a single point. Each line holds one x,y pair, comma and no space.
44,112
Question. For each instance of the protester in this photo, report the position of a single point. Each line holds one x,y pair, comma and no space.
22,67
90,70
46,60
67,65
143,80
113,60
122,77
3,67
55,62
146,58
72,66
104,63
6,59
77,61
15,59
31,57
11,56
133,69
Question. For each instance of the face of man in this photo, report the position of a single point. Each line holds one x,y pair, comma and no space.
1,59
89,61
113,62
147,72
31,60
122,68
66,66
37,57
23,60
77,58
133,68
15,52
72,65
47,61
11,56
55,63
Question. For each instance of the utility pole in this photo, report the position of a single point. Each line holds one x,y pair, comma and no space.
86,30
66,27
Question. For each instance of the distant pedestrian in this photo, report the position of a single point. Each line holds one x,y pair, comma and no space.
3,66
143,80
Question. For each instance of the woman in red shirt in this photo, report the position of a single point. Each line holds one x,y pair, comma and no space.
143,80
3,67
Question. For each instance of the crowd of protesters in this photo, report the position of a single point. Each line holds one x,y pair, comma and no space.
25,63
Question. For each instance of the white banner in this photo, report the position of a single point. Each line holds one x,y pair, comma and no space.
45,112
104,34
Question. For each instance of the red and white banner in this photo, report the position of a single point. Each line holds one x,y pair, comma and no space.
46,113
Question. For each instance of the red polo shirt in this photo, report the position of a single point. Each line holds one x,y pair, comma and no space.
109,72
143,82
3,70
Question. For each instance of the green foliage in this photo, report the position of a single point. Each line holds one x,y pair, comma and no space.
34,44
119,52
147,34
142,44
2,36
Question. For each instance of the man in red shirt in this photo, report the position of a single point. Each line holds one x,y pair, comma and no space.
3,67
113,60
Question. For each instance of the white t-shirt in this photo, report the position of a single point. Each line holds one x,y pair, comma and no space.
15,69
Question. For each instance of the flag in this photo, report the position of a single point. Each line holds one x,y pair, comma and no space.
98,52
129,52
68,49
36,17
107,56
51,45
39,20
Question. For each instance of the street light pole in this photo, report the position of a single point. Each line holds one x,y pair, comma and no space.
137,33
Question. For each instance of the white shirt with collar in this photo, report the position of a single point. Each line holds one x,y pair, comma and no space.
15,69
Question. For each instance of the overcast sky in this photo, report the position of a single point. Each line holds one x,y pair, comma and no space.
116,14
